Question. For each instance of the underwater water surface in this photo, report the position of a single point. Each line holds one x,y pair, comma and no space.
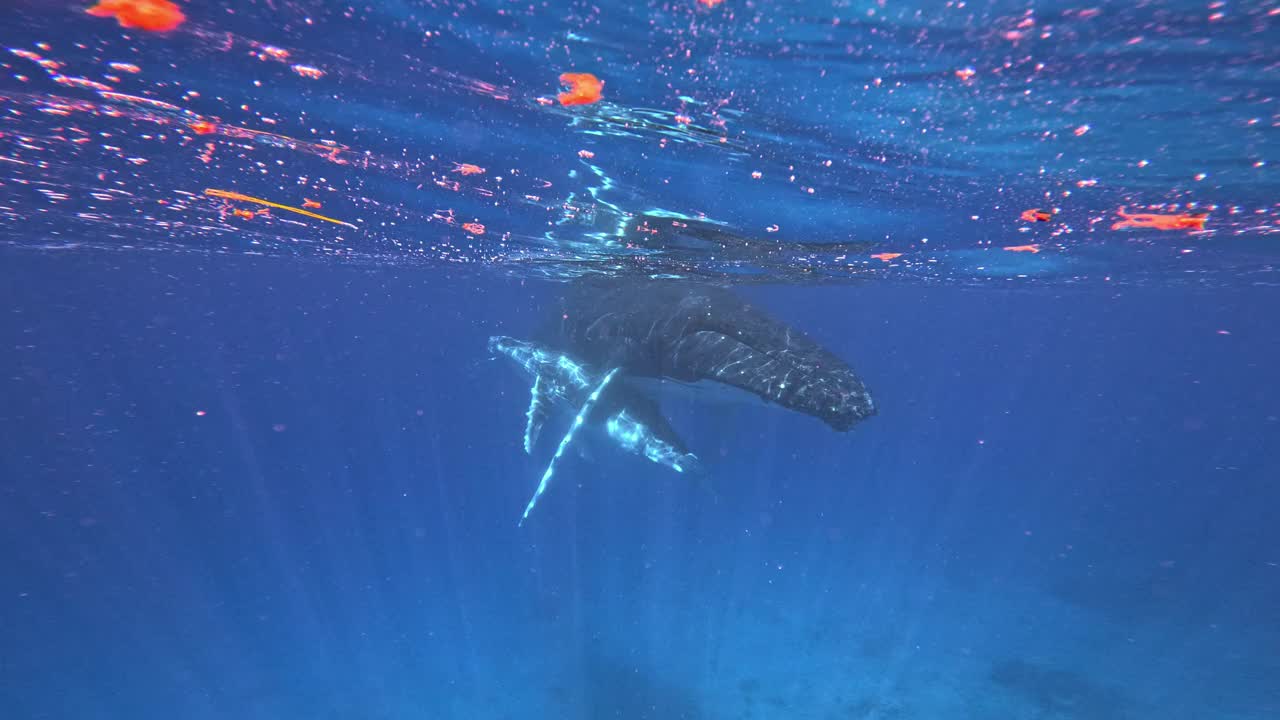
872,360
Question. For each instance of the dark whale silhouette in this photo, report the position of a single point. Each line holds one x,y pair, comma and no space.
689,332
605,336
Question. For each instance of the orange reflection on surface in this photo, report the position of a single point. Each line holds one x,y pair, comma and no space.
152,15
229,195
203,127
1153,221
309,72
886,257
468,169
473,228
80,82
1035,215
584,89
274,53
1023,248
709,3
310,204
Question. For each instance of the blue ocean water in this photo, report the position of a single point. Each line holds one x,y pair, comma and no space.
262,465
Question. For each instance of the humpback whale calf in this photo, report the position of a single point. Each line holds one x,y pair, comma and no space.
608,337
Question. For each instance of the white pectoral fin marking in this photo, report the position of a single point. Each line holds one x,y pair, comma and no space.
636,437
536,414
581,418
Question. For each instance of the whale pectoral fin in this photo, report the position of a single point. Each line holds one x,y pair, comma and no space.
536,415
651,438
583,413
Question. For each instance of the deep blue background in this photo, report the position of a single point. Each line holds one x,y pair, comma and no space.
287,487
336,536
